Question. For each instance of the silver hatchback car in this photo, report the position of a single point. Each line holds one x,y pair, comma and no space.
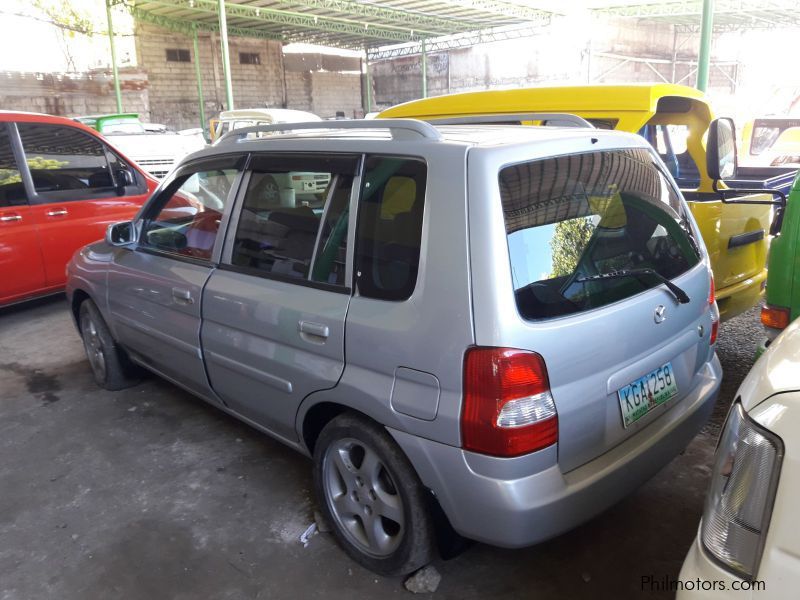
493,330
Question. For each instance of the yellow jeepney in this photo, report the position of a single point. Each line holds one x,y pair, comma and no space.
675,120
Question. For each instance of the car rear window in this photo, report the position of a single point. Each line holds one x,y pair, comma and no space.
572,217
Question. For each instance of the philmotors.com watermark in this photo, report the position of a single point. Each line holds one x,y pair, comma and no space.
652,583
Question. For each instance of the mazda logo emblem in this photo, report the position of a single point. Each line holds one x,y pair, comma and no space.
660,313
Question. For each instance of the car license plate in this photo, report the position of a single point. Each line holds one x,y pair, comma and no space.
641,396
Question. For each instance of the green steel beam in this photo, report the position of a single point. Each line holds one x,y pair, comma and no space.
510,10
454,42
694,8
198,76
368,79
114,70
186,28
296,19
226,57
705,45
414,20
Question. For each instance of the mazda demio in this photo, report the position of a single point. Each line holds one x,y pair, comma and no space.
494,330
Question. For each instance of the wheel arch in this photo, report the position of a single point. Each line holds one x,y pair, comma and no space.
78,297
314,418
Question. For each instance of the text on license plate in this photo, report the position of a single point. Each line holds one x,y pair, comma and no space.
641,396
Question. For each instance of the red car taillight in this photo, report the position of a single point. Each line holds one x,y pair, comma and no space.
508,409
712,294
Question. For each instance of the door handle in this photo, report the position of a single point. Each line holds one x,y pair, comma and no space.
182,295
57,212
316,329
7,218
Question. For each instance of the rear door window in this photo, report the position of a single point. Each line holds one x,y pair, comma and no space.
573,217
390,227
12,190
294,221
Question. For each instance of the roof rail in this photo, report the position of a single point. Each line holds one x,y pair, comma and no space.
401,129
570,119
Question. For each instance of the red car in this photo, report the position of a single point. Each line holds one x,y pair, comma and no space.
61,184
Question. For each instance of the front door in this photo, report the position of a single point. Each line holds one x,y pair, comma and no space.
155,286
21,270
75,195
274,311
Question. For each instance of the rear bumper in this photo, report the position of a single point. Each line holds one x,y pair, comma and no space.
523,501
739,297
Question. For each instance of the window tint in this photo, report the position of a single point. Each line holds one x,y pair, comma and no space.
574,217
64,159
296,210
390,227
12,191
186,217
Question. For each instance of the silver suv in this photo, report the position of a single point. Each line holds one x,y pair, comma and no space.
495,330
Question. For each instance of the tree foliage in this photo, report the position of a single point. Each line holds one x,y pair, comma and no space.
568,243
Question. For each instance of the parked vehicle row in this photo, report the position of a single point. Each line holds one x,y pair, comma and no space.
530,312
153,147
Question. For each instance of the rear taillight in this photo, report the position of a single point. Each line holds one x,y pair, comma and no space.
712,298
508,409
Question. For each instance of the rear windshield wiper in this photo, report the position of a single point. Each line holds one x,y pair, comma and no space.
679,294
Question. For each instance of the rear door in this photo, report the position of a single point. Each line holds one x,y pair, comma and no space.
20,255
75,194
274,311
620,351
155,286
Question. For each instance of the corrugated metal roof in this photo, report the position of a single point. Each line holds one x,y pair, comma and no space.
353,24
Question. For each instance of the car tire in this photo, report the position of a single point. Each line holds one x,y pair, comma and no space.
111,367
371,496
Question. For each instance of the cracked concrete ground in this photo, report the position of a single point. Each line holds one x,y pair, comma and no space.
150,493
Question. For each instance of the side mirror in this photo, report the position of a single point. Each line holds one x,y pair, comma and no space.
721,149
121,234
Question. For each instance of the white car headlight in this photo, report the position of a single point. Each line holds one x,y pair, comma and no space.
739,502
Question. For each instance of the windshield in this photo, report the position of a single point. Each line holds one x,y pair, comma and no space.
767,131
572,217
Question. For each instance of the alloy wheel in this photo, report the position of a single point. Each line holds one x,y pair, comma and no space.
362,497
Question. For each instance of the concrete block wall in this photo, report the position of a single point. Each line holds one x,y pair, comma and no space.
173,85
336,92
563,53
74,95
298,90
322,84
